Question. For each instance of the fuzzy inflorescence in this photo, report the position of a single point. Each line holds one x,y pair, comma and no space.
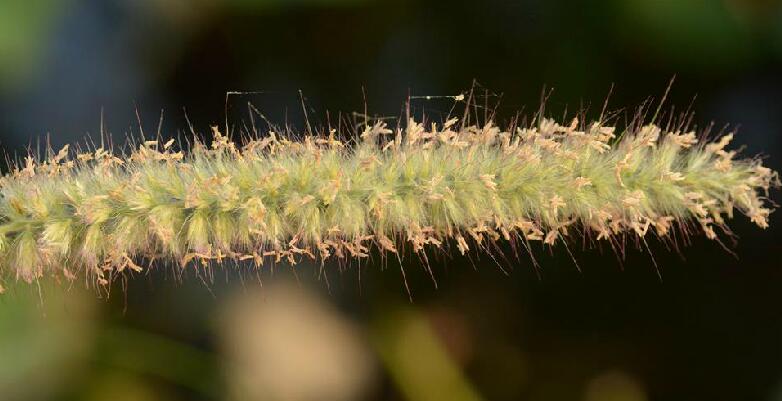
414,187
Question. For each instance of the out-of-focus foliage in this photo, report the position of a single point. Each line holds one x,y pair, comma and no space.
284,343
45,333
418,361
25,30
709,36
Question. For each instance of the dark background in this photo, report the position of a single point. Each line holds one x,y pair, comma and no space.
708,328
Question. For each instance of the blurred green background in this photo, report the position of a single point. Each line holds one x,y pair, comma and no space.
709,329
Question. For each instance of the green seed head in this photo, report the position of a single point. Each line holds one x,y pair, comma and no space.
416,187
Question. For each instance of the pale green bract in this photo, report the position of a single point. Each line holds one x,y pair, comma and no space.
413,188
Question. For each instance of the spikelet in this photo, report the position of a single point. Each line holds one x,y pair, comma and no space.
100,214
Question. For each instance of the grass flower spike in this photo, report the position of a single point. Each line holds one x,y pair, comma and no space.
413,188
